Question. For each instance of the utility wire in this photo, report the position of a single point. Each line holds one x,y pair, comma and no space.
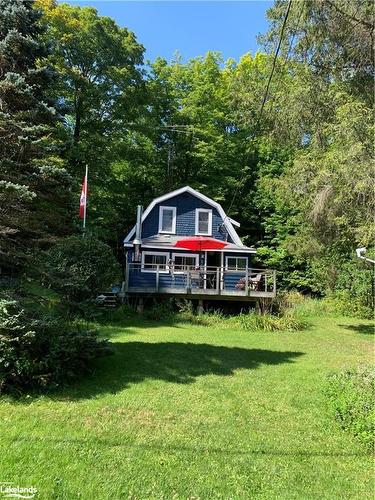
265,96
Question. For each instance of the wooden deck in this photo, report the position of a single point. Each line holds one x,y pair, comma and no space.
214,283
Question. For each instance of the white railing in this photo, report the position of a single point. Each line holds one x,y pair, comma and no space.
203,280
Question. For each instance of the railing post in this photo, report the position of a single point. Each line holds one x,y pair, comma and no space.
127,270
274,281
157,277
247,281
188,279
218,280
265,281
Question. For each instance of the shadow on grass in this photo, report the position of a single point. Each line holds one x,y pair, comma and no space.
179,363
361,328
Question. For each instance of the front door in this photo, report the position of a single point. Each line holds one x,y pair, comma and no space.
213,262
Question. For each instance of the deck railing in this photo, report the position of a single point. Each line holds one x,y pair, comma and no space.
203,280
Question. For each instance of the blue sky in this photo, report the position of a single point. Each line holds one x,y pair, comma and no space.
189,27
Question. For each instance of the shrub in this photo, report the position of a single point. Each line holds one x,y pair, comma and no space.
79,268
351,396
291,321
39,353
161,310
345,303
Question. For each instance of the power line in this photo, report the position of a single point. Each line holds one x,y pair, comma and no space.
274,61
265,95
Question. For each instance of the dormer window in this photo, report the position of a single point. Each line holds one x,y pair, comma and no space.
203,221
167,220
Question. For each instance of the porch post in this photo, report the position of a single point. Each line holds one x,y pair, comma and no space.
221,272
200,308
157,278
205,271
127,264
247,282
188,279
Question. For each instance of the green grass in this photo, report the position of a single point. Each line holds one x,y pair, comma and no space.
187,411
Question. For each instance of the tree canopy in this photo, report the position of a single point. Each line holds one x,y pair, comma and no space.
294,166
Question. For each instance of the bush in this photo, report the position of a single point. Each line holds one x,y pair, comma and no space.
351,396
79,268
290,321
345,303
163,309
38,353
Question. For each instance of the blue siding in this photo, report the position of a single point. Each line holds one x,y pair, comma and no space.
231,279
186,204
177,280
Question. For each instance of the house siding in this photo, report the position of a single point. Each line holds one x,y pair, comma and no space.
170,280
231,279
186,205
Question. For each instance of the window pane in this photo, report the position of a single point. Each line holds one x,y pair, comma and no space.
241,263
182,262
203,220
231,262
203,216
167,220
237,263
152,260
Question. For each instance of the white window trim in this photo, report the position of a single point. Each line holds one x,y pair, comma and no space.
165,254
161,209
206,210
235,257
185,255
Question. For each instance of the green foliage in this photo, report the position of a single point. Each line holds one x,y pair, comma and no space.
79,268
334,37
34,185
254,321
287,315
101,83
41,352
351,396
163,309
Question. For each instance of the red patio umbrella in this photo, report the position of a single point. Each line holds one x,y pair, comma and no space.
200,243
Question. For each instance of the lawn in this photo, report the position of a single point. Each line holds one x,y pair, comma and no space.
189,412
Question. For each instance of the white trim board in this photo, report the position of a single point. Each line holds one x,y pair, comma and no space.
236,257
187,189
161,210
193,255
207,211
164,254
224,250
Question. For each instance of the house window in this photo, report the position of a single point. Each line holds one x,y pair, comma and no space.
203,221
151,261
167,220
236,263
184,261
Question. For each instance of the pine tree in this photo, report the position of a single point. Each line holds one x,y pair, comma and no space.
34,186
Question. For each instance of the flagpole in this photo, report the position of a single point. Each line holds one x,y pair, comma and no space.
85,206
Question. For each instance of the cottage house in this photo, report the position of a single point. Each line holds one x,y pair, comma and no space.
184,244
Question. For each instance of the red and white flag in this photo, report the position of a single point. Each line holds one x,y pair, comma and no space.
83,199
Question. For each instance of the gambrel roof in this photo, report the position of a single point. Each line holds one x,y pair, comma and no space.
227,221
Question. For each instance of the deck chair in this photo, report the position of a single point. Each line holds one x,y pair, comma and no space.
255,282
196,278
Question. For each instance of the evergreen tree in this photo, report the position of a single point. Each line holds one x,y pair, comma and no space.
34,186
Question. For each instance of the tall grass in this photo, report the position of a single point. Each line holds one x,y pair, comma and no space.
286,313
351,396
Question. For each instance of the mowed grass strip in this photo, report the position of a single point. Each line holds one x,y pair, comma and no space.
185,411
